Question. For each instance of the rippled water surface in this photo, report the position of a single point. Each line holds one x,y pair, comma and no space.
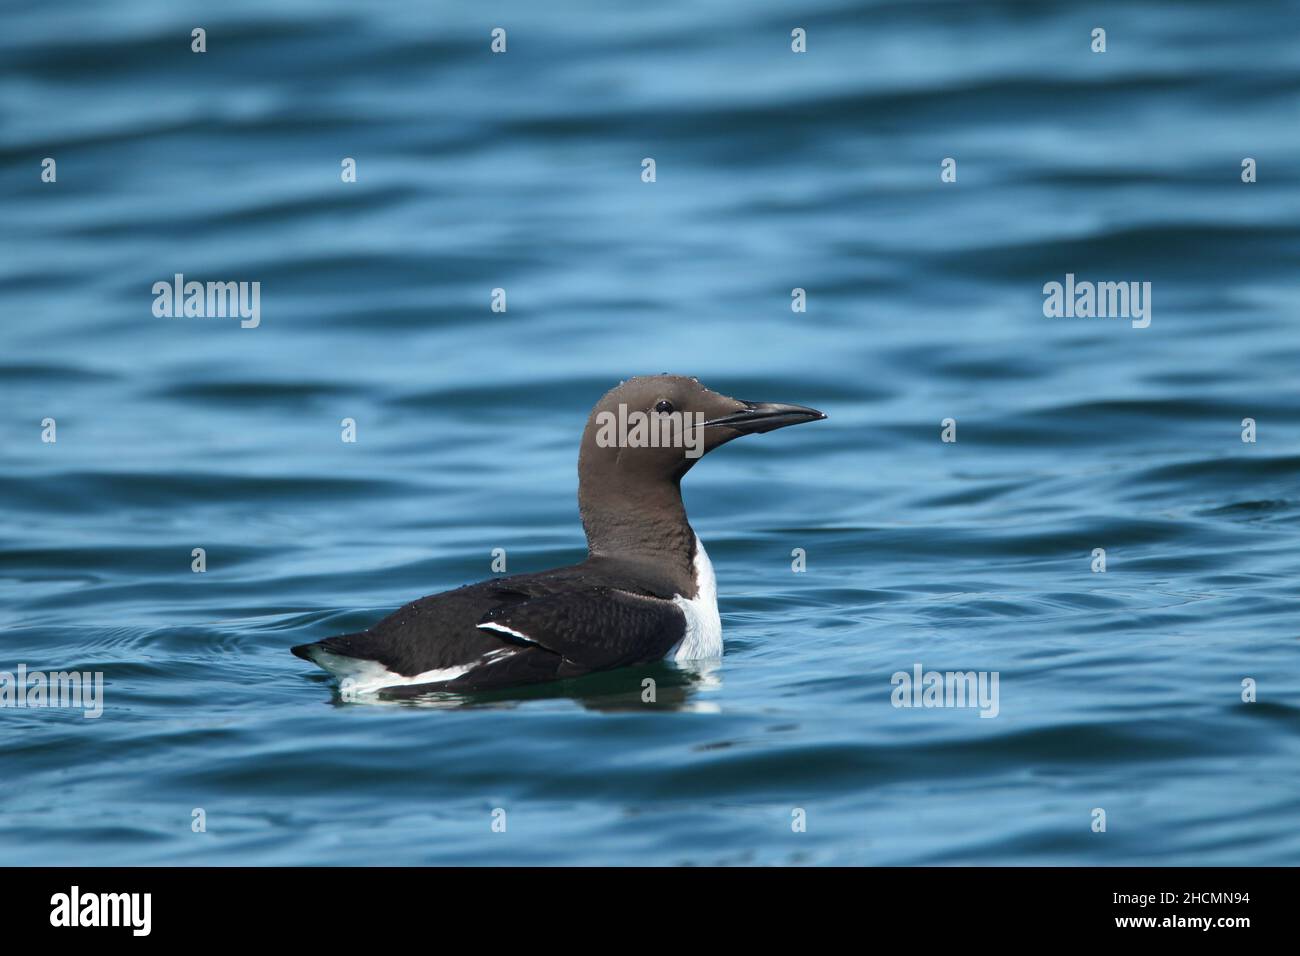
1119,691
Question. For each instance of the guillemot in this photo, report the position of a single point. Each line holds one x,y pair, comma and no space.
645,593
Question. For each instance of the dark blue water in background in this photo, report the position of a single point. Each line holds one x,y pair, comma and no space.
1119,691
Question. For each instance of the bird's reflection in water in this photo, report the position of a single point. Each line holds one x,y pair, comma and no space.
649,687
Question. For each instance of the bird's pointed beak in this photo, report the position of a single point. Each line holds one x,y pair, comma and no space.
756,417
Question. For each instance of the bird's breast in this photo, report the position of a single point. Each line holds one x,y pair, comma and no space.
703,636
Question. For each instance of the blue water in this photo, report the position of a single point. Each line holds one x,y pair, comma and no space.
1119,691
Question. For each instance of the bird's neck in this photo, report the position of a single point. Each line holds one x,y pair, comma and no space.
636,519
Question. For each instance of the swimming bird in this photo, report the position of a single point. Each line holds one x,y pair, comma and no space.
646,592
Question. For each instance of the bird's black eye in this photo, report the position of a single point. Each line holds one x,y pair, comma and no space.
663,406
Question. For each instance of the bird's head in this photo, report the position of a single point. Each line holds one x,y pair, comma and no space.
656,427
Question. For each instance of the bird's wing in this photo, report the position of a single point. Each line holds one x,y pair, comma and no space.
595,628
